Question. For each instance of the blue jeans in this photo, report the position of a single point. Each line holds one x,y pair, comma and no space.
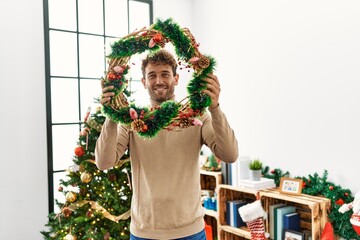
198,236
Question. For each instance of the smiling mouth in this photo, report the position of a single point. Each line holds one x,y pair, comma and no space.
160,88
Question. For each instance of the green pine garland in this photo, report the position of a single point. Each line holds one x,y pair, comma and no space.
170,113
316,185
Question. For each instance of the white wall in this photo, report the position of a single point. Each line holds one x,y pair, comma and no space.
290,80
289,73
23,172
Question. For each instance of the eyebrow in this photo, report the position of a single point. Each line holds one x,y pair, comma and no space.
153,72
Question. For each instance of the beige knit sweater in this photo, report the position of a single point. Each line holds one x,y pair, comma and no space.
165,173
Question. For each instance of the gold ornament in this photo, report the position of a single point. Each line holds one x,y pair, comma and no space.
70,197
85,177
69,236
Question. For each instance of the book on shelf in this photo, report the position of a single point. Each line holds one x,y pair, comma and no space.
226,173
292,221
272,224
264,183
233,217
279,220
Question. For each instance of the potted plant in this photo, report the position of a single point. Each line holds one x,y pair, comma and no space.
255,167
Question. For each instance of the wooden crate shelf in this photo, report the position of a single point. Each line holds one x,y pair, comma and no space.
211,181
312,209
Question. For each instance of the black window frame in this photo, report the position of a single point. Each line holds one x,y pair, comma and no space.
49,123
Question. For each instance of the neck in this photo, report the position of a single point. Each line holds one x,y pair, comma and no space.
155,103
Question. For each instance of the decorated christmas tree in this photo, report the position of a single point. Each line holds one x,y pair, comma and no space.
97,202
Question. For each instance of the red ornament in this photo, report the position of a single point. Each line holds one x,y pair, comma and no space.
346,194
272,171
331,188
340,202
89,214
304,184
144,128
111,76
60,189
79,151
157,37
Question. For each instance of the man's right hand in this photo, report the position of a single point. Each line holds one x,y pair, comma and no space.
106,95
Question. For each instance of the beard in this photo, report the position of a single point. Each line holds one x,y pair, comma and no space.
162,92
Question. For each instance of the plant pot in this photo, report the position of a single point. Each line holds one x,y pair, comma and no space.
255,175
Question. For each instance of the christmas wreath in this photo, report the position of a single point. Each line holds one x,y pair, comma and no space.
147,122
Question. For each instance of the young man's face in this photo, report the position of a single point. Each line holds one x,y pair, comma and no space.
160,81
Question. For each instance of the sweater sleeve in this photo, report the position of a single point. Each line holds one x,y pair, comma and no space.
111,144
219,136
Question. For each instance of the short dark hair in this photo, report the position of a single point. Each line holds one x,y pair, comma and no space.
160,57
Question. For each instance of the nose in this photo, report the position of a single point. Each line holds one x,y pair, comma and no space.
159,80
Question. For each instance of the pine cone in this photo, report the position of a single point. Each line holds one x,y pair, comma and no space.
138,125
203,62
184,123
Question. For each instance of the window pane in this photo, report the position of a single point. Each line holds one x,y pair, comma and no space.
92,56
135,65
62,14
139,15
64,100
63,54
139,94
65,139
89,90
58,195
108,43
116,18
91,16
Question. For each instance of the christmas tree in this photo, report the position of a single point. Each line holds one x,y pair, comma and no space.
97,202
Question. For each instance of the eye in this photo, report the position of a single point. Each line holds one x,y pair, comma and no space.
151,76
166,75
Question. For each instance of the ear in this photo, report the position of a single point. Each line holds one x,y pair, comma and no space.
143,80
176,79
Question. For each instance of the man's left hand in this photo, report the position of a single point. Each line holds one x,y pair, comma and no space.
212,89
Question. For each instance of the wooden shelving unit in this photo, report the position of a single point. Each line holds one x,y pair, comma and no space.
211,181
312,210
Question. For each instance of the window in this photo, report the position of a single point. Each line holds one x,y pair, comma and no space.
78,35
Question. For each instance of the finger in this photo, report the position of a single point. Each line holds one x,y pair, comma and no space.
213,77
104,100
107,89
102,82
108,94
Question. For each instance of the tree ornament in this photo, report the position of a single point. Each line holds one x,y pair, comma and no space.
148,122
340,201
60,188
89,214
69,236
112,177
81,168
107,236
70,197
331,187
66,212
79,151
85,177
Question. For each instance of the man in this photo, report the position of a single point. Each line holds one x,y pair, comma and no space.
166,201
